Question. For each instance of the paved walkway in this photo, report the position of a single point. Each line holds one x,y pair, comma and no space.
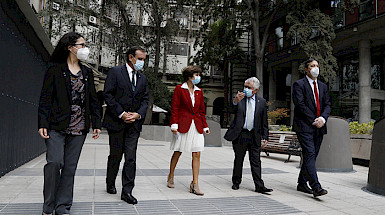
21,189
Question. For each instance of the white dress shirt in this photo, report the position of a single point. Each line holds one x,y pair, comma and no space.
311,82
253,106
129,70
130,73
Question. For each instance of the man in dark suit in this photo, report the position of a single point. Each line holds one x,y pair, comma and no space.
312,109
246,132
126,95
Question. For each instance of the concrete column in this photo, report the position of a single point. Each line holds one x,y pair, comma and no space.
294,77
272,89
365,64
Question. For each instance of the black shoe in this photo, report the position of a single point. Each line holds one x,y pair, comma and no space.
129,199
111,189
235,187
263,190
319,192
304,188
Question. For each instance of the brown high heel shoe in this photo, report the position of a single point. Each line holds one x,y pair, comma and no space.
194,188
170,182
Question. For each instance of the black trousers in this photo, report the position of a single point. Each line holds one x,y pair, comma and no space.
122,142
247,142
311,144
63,152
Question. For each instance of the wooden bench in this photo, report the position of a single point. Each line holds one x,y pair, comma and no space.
283,142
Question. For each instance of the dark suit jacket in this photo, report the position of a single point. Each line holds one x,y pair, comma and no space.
120,97
261,129
183,112
305,110
55,100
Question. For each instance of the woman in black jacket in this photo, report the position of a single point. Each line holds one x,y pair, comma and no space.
68,102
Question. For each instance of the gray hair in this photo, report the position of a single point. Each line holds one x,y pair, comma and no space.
254,81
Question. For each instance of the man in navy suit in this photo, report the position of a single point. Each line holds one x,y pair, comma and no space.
126,95
311,111
246,132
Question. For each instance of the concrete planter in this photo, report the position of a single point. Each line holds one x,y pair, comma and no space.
156,132
361,145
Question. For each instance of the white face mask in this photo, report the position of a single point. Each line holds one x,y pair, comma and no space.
82,53
314,72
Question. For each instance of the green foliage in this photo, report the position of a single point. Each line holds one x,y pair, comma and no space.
218,36
364,128
315,31
278,113
219,45
163,17
285,128
162,96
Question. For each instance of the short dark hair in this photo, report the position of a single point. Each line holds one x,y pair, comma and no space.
61,52
132,51
189,71
308,61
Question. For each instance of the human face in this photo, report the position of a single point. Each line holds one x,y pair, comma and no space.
312,65
194,75
139,55
80,43
250,86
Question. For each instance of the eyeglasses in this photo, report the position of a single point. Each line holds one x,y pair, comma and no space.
81,44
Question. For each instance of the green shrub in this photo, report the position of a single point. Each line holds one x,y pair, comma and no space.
284,128
364,128
277,114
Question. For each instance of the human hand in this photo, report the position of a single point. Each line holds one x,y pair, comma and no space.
132,116
174,131
265,142
43,133
125,116
239,97
207,131
318,123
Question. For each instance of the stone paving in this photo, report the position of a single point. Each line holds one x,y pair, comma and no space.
21,189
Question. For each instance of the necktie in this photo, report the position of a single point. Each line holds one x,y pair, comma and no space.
249,115
133,80
317,99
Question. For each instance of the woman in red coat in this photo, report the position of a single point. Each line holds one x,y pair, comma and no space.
188,123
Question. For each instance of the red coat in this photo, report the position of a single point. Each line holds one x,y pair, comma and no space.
183,112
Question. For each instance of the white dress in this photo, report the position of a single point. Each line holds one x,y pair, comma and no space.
192,141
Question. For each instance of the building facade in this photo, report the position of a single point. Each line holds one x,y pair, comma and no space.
357,92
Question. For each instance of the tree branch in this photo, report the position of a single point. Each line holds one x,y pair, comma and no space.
266,33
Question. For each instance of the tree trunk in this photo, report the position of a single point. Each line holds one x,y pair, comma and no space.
225,92
157,47
99,49
164,78
259,74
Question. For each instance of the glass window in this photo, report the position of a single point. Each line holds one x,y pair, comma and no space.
178,49
366,9
376,77
279,34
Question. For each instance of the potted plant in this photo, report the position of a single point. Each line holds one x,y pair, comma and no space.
276,114
361,139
